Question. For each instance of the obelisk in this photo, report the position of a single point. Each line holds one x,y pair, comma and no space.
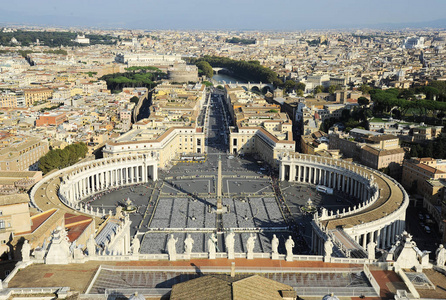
219,184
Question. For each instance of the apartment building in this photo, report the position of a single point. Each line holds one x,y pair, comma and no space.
21,153
171,129
51,119
372,149
35,95
420,174
259,128
14,218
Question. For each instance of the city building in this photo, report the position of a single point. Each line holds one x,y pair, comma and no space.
36,95
372,149
421,174
148,59
81,39
51,119
259,128
14,218
172,128
21,153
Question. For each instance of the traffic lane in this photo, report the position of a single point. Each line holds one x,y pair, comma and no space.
425,241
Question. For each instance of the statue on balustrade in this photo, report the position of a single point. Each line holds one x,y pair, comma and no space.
171,247
275,244
26,248
212,242
328,248
188,244
229,242
250,243
371,250
441,255
289,245
135,245
91,246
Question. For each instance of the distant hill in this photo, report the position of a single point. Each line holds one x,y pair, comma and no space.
29,18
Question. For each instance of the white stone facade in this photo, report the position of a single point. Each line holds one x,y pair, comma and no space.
372,189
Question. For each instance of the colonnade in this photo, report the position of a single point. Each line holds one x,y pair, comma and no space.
336,178
102,180
383,237
108,173
356,181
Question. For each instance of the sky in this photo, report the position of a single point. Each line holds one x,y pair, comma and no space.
225,14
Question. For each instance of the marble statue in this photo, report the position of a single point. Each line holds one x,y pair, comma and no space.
26,248
212,241
289,245
136,244
77,253
118,213
328,248
275,244
171,247
188,244
91,246
229,242
250,243
371,250
441,255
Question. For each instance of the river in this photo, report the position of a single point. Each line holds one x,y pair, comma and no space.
228,79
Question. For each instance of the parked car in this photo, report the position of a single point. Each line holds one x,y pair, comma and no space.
427,229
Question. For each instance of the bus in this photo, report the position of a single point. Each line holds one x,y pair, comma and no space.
324,189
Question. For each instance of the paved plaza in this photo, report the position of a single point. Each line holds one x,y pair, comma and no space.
182,201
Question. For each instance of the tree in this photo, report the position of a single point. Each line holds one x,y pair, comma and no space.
57,158
345,114
333,88
206,68
365,88
363,101
318,89
249,70
441,116
407,94
134,99
300,86
289,85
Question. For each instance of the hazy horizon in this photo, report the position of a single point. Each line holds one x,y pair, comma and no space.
226,15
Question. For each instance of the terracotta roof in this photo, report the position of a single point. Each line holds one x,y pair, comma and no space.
37,220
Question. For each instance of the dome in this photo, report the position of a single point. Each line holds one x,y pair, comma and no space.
330,297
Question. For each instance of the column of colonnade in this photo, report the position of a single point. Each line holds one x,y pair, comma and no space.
330,178
93,183
384,236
